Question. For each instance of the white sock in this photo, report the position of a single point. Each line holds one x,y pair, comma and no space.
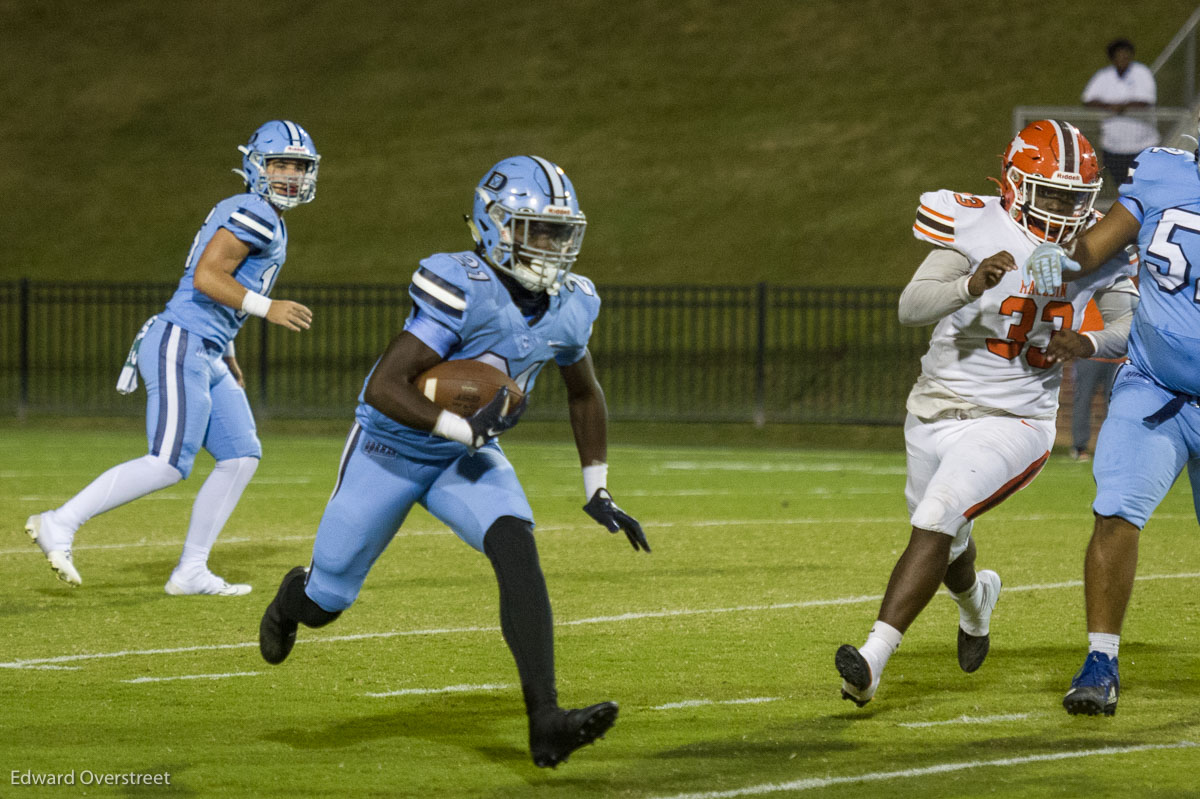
970,602
214,503
1104,642
122,483
882,642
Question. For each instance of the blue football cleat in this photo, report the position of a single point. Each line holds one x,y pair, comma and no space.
1094,689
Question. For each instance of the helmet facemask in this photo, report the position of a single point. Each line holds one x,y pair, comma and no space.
283,189
536,249
1033,193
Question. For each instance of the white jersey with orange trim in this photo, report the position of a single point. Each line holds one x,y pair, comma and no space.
990,353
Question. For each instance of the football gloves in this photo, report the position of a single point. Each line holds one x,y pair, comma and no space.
602,508
1045,266
490,420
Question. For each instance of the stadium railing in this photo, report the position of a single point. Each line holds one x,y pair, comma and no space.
756,353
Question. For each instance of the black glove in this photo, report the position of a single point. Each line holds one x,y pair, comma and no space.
602,508
490,420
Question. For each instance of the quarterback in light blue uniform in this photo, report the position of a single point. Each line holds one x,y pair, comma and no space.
194,389
1153,426
512,303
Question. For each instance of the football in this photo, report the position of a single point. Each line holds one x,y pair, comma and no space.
464,386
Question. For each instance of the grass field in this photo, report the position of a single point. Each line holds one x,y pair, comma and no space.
718,645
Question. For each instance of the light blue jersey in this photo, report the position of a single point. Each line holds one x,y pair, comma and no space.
193,400
1163,194
461,310
1153,425
256,224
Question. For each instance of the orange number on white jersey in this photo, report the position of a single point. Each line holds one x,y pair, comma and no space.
1018,331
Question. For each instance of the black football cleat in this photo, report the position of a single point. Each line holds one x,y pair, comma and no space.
277,632
554,736
858,683
973,649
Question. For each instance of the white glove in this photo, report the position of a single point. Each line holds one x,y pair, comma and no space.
1045,266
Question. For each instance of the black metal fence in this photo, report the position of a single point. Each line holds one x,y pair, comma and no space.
759,353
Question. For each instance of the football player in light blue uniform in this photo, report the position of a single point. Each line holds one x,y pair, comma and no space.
512,303
195,395
1153,426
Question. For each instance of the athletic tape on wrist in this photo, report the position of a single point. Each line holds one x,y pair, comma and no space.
453,427
256,304
595,477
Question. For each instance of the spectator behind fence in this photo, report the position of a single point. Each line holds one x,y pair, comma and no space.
1125,85
195,394
981,416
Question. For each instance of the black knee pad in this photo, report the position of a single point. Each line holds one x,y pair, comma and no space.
509,541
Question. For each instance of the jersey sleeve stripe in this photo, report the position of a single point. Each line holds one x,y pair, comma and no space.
443,289
265,235
425,297
934,225
930,234
935,221
266,223
925,209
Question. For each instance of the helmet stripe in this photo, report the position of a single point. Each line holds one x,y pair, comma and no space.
558,193
1069,153
294,135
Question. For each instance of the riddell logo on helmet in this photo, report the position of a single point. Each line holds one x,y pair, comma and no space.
291,148
1075,176
561,210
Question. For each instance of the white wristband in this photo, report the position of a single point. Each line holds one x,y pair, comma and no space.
256,304
453,427
230,351
595,477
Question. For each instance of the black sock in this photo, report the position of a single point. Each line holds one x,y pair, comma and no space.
298,606
525,616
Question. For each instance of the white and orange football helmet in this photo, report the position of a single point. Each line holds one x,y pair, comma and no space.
1050,163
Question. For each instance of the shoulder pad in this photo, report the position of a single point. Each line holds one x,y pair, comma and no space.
441,287
1157,164
581,289
250,218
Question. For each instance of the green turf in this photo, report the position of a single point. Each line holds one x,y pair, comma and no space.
710,142
764,561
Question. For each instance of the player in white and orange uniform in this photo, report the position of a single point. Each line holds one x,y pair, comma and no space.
981,416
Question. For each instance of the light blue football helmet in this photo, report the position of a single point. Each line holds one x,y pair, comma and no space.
527,223
280,138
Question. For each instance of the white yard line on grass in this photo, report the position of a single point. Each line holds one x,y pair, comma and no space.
195,677
760,466
621,617
449,689
566,528
753,700
810,783
968,720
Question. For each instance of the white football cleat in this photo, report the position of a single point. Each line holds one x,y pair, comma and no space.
56,552
203,583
